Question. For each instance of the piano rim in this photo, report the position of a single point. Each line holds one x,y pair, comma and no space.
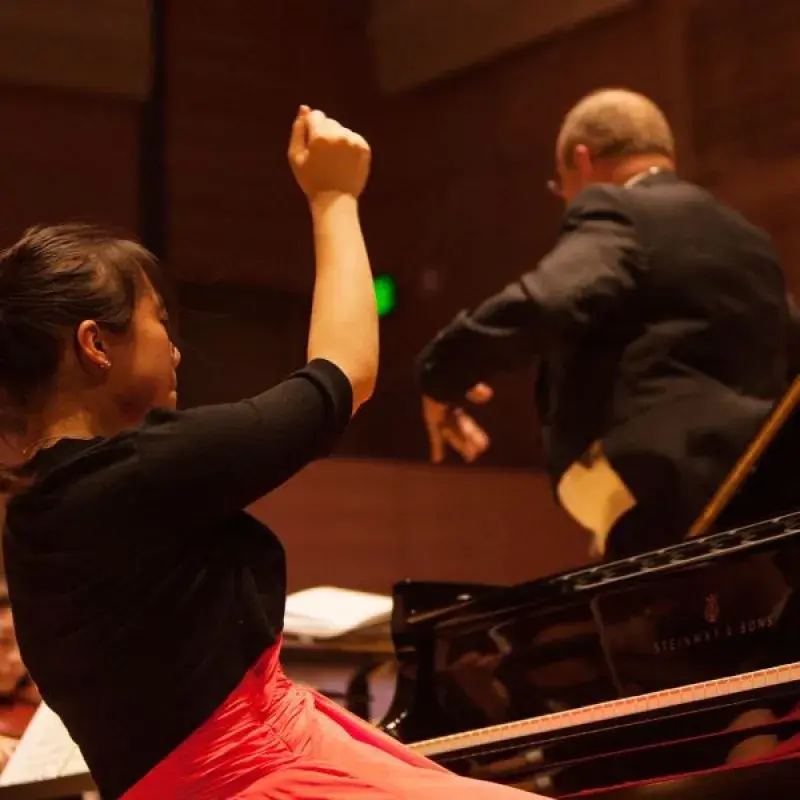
716,545
571,719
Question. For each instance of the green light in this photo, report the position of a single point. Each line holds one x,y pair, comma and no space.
385,294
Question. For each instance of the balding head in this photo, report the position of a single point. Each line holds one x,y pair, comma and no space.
610,127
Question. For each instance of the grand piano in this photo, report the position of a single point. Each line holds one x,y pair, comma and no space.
675,673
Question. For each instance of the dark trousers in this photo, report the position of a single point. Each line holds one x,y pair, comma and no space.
646,528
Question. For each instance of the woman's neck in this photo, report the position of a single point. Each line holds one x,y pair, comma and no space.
53,424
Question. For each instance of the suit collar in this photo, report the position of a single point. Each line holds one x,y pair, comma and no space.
649,177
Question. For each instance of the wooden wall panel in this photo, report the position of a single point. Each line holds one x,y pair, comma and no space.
236,341
418,41
367,524
743,59
236,73
67,156
746,107
93,46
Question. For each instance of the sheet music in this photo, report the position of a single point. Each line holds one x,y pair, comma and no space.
325,612
45,751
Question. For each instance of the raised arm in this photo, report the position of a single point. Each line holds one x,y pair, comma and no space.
208,462
331,164
578,285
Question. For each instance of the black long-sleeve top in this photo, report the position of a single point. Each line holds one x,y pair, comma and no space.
142,592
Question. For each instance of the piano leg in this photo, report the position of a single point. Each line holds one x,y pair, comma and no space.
358,698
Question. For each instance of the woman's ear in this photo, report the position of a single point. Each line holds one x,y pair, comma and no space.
90,346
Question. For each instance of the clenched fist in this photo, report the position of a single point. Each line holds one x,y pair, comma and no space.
326,157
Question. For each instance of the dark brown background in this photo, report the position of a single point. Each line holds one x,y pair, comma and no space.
456,207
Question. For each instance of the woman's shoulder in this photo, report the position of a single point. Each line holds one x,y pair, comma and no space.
71,468
73,456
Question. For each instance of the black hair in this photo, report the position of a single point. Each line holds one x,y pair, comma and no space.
51,280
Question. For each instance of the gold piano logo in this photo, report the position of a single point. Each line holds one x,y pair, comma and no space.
713,632
712,609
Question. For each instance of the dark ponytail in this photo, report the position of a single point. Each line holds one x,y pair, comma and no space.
51,280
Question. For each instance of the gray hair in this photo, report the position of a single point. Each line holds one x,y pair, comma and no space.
614,123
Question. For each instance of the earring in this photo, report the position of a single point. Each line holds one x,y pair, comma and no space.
105,364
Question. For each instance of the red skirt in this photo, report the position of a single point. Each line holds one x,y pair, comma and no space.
273,739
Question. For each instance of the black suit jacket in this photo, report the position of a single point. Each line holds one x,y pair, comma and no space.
662,323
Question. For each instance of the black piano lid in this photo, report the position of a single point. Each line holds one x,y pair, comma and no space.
762,507
685,556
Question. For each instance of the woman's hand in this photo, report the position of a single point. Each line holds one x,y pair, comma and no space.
326,158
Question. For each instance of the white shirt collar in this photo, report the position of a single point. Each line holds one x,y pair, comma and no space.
641,176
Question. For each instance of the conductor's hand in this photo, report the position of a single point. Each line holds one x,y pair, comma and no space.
450,426
327,158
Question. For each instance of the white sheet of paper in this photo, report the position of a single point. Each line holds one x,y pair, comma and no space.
45,751
325,612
